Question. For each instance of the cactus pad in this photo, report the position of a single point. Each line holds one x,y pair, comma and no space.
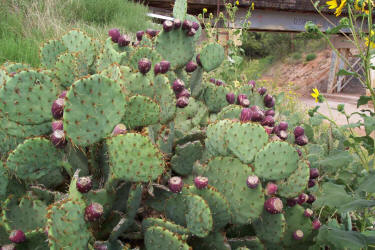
157,238
270,228
50,51
165,97
68,68
149,222
93,106
228,175
268,166
27,97
185,156
109,55
215,97
23,131
36,240
133,157
212,55
179,9
144,52
141,111
295,183
216,143
245,140
198,217
215,240
199,31
230,112
3,180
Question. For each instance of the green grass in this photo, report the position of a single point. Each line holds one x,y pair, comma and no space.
310,57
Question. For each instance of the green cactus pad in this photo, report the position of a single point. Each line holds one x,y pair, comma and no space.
149,222
247,90
4,236
110,55
176,47
230,112
179,9
277,160
93,106
212,55
3,76
296,220
196,80
270,228
27,215
245,140
134,158
185,156
116,72
50,51
295,183
66,225
228,175
3,180
35,159
28,97
215,97
199,217
157,238
215,240
138,84
219,206
195,113
36,240
144,52
141,111
15,67
199,31
216,143
67,69
250,242
165,97
23,131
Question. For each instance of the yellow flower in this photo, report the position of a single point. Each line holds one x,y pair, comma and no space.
315,94
252,6
369,40
332,4
204,10
361,6
339,9
237,2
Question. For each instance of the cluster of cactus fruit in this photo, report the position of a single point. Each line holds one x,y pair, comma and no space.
157,160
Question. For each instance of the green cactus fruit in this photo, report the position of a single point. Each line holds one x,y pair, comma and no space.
251,242
132,157
275,168
3,180
270,228
165,97
199,217
230,112
149,222
215,240
212,55
219,206
245,140
29,96
66,225
23,131
215,97
231,182
26,215
36,240
93,106
185,156
179,9
27,163
216,143
141,111
175,47
295,183
50,51
157,238
144,52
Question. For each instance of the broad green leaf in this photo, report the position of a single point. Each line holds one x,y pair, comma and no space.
335,161
363,100
357,204
339,239
368,183
332,195
369,124
343,72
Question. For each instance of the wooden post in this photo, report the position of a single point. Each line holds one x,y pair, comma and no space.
332,79
342,65
372,74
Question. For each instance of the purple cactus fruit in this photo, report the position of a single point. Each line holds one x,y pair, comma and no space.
191,67
255,108
176,23
252,83
152,33
144,65
271,188
273,205
17,236
298,235
219,83
175,184
178,86
257,116
167,25
308,212
282,134
311,183
262,90
268,121
291,202
58,139
123,41
268,129
316,224
283,126
182,102
311,199
119,129
314,173
201,182
213,80
93,211
252,181
184,92
114,34
298,131
301,140
84,184
57,125
195,25
270,112
186,25
299,152
231,98
164,66
240,97
268,98
8,247
302,198
246,114
198,59
191,32
139,35
58,108
100,246
63,94
270,104
157,69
